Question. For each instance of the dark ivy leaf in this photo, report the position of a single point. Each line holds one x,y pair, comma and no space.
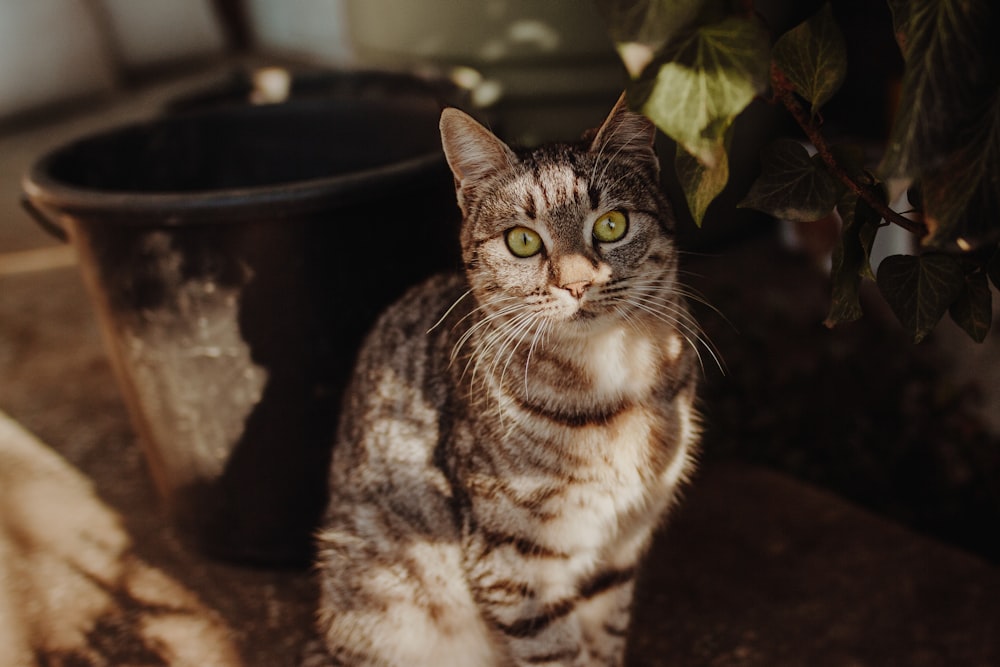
962,198
866,235
920,289
949,69
947,127
993,268
698,85
973,310
792,185
702,184
845,296
851,259
814,57
915,195
864,220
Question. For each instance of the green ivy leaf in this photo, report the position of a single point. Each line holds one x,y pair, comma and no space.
814,57
920,289
699,84
947,127
851,261
973,310
702,184
792,185
641,28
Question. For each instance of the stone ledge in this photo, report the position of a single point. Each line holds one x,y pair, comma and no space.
758,569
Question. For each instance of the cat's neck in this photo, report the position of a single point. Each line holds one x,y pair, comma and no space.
619,359
577,364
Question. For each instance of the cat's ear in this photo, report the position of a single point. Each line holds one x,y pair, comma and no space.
626,134
472,151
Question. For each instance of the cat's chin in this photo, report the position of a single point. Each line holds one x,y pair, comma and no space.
573,317
584,322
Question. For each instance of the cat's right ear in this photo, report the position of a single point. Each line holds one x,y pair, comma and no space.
473,152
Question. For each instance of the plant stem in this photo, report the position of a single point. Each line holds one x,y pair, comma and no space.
785,92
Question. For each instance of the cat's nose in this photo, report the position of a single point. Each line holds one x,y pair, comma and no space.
578,288
576,273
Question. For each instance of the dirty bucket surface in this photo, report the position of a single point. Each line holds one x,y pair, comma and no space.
235,258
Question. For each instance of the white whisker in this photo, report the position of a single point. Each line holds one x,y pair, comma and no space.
524,328
486,321
539,332
450,308
682,322
497,336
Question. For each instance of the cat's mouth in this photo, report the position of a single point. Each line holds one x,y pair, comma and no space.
588,309
582,314
585,310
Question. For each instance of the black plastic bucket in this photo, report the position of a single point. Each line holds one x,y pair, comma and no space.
235,258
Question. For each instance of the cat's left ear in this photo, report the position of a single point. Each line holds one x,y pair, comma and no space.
473,152
627,134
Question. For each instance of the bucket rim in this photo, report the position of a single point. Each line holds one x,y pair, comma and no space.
223,205
176,207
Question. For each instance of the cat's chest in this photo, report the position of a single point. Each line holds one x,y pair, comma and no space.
614,364
617,362
611,479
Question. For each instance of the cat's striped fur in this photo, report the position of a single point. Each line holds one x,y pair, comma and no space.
513,436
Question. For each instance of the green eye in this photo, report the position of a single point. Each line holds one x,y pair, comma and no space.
611,227
523,242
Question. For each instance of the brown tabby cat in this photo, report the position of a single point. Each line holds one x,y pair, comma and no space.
514,435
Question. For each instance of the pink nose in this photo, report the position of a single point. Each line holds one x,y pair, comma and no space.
578,288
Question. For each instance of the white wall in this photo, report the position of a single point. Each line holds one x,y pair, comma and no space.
50,50
313,30
150,32
54,50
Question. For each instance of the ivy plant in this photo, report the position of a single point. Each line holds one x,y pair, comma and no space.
697,64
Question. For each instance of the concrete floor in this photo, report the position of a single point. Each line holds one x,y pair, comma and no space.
754,569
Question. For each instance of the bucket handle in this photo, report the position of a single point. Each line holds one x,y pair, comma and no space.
44,221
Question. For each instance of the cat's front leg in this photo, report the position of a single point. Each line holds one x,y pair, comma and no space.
591,635
604,620
542,635
542,611
390,596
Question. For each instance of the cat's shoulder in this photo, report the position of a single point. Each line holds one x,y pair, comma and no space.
423,305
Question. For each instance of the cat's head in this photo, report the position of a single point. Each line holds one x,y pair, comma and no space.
571,232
